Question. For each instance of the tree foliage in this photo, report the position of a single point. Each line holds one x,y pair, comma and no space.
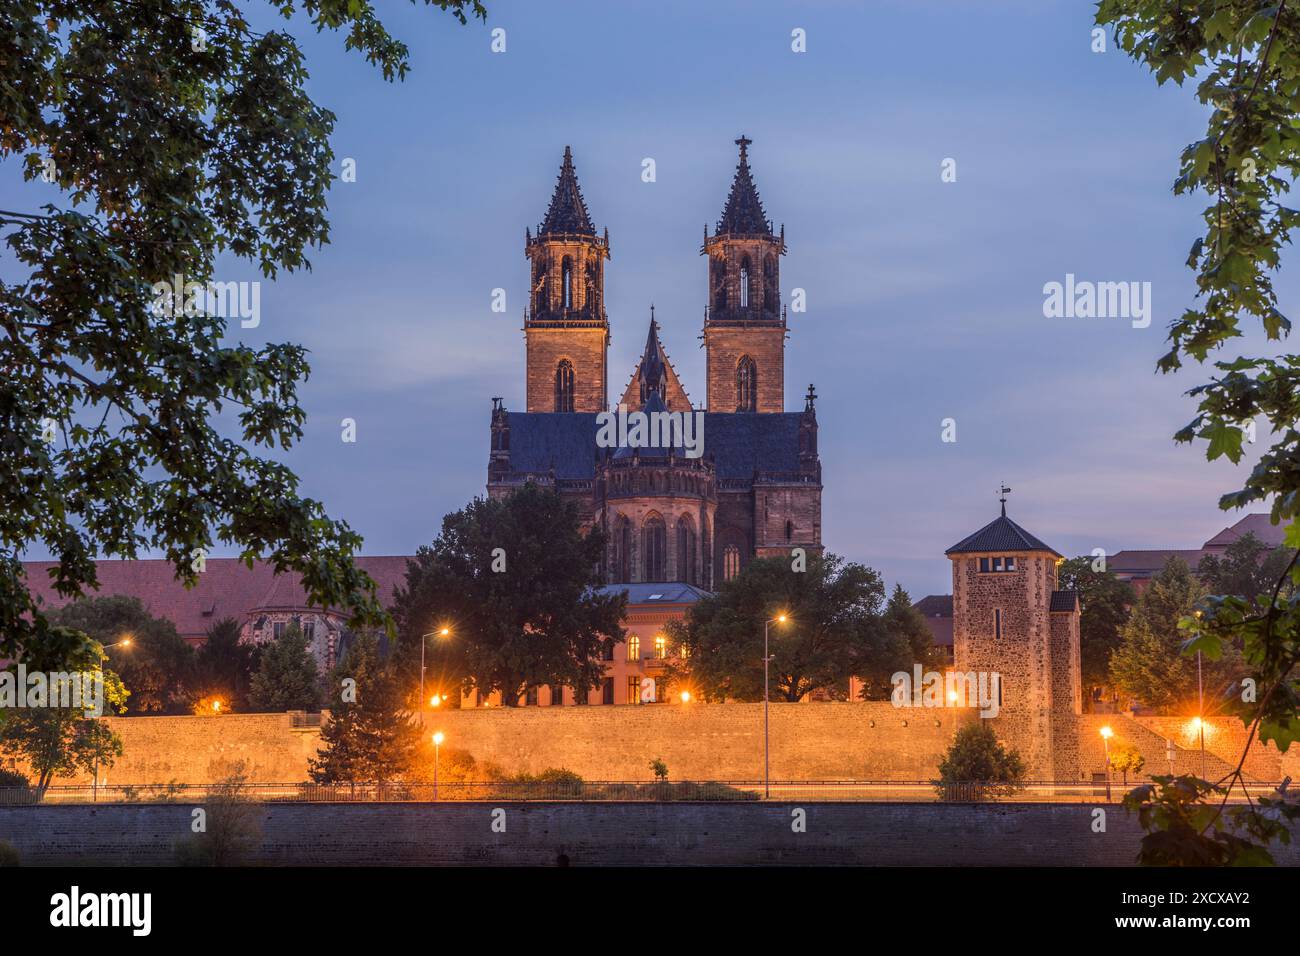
1105,601
1247,568
174,133
224,666
287,677
833,630
371,736
976,758
536,619
153,661
1244,57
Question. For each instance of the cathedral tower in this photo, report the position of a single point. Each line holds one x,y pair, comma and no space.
744,324
565,326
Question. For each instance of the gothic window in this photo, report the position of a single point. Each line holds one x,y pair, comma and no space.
655,548
746,385
686,551
633,647
720,285
566,282
730,562
539,289
744,283
564,386
623,550
592,296
769,284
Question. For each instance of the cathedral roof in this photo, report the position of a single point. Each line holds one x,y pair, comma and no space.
740,445
568,211
1000,534
743,215
654,361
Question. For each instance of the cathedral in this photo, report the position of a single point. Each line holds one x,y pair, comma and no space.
669,513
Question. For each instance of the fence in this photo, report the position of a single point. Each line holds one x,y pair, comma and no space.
697,791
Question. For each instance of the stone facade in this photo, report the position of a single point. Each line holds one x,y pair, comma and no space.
668,516
1009,619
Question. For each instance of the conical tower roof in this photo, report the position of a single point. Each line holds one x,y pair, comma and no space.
568,211
743,214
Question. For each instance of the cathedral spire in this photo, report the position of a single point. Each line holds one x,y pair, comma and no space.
654,378
567,213
743,215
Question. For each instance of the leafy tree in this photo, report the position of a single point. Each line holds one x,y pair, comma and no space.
176,133
224,666
231,825
1105,601
370,736
1127,759
906,625
1248,568
153,661
287,677
61,741
833,631
978,762
1149,664
534,620
1244,57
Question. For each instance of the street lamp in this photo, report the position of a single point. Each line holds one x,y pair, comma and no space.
1199,726
767,659
125,642
442,632
686,696
438,738
1106,733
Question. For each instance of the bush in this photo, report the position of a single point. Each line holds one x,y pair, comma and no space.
9,854
15,789
977,767
231,826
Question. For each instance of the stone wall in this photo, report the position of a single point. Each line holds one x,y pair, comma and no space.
540,834
813,741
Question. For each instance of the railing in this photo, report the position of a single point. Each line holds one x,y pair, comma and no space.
560,789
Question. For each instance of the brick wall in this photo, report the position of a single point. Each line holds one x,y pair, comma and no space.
814,741
883,834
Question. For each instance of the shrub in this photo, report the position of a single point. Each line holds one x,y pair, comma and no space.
977,767
9,854
231,826
15,788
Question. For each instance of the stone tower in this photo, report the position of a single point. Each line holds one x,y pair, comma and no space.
565,326
1009,619
744,324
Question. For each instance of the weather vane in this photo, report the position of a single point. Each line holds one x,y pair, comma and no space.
1003,491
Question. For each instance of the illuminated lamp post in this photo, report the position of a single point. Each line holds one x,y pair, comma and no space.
1106,733
767,659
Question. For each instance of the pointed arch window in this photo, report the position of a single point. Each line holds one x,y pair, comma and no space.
654,544
686,551
769,284
564,386
746,385
566,282
730,562
744,283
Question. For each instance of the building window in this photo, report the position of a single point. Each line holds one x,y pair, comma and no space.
607,653
685,551
744,283
730,562
789,531
607,691
566,282
557,695
277,630
654,541
531,697
661,646
997,623
634,690
746,385
995,565
633,647
309,631
564,386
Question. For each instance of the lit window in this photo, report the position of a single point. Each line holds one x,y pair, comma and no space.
634,690
661,647
633,647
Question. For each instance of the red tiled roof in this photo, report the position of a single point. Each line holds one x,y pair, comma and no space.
1147,563
1260,525
226,588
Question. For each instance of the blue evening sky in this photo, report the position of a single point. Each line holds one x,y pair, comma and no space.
924,298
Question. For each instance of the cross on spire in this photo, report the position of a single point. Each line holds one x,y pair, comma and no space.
1003,491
